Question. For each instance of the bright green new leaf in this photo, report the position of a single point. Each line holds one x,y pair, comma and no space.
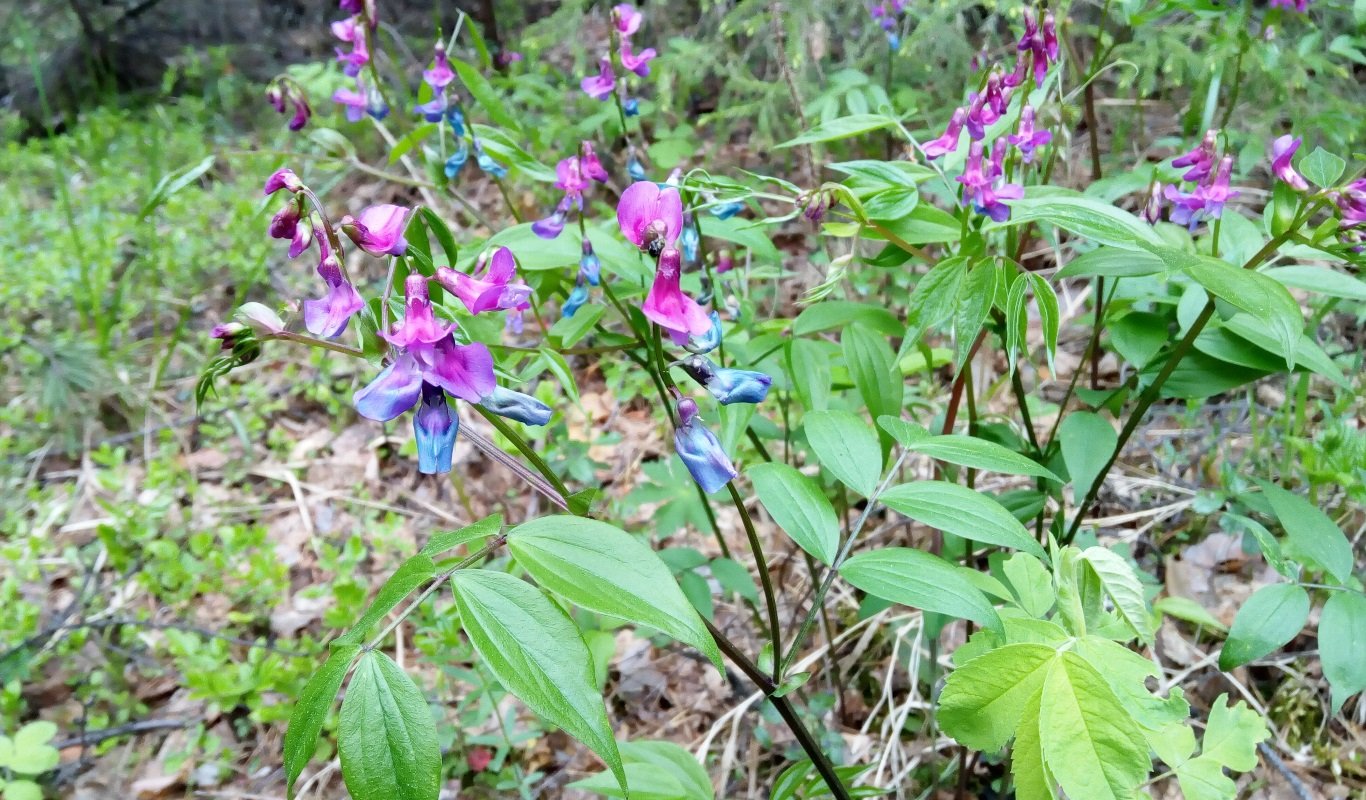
310,710
808,365
975,299
1093,748
1032,779
644,781
1184,608
1272,616
387,742
599,567
920,580
968,451
1113,262
1087,443
1342,645
674,760
984,700
1127,673
834,314
1030,583
1310,535
905,433
935,296
961,511
799,507
847,447
1322,167
536,652
410,140
1230,742
1120,582
30,752
21,790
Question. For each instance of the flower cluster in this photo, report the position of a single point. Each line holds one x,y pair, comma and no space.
356,30
572,176
888,18
1211,191
984,184
437,77
283,91
626,20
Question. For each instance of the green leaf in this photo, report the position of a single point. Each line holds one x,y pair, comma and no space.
173,182
985,699
485,95
1030,583
935,296
1272,616
847,447
1100,222
569,330
888,173
839,128
1322,167
1248,290
674,760
1113,262
1184,608
1342,641
745,233
30,752
920,580
442,232
834,314
967,451
602,568
906,434
799,507
1032,780
1320,280
962,512
644,781
22,790
411,574
1092,746
733,577
448,540
1120,582
808,366
310,710
1230,742
1138,336
1087,443
1311,537
872,366
411,139
387,743
536,652
975,298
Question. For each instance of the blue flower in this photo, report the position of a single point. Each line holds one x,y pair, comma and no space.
517,406
700,450
487,164
708,341
575,300
457,161
635,170
725,384
435,424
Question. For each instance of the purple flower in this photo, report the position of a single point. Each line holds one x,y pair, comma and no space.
1050,37
303,237
276,97
724,262
980,114
1282,150
700,450
1300,6
637,63
328,315
949,141
466,371
1218,192
1187,208
650,217
435,426
668,307
491,286
570,175
285,223
1028,139
302,111
727,385
508,58
984,186
627,19
1041,45
347,30
1200,160
419,324
1152,207
589,165
600,86
379,230
355,103
1351,202
514,405
552,226
440,75
354,61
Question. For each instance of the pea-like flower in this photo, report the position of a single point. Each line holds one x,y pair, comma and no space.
1282,150
668,306
948,142
650,217
590,165
700,450
283,178
328,315
725,384
491,286
1028,139
435,426
984,186
379,230
639,63
516,406
1200,160
600,86
627,19
487,163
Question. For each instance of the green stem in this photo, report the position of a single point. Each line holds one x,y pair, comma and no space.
765,579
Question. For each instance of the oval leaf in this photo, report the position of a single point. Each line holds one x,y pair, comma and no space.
847,447
1272,616
966,451
920,580
310,710
1342,641
1310,534
1087,443
796,503
962,512
387,744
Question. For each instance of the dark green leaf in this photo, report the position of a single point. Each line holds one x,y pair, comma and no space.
1100,222
411,574
1310,535
1087,443
310,710
847,447
920,580
967,451
485,95
447,540
1114,262
387,743
962,512
1272,616
1342,643
796,503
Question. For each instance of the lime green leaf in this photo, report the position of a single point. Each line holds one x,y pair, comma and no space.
847,447
411,139
961,511
1230,742
873,369
1342,642
833,314
30,753
1127,673
975,298
1032,780
796,503
387,743
608,571
644,781
1087,443
485,95
1113,262
448,540
984,700
1272,616
1093,747
935,296
310,710
22,790
967,451
569,330
907,434
1322,167
1184,608
1310,535
1120,582
536,652
920,580
1245,289
1030,583
808,364
672,759
745,233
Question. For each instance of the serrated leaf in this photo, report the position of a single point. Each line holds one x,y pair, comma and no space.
536,652
310,711
1120,583
1087,443
1311,536
847,447
1093,747
984,700
799,507
387,742
1272,616
962,512
602,568
1342,643
967,451
920,580
1032,781
448,540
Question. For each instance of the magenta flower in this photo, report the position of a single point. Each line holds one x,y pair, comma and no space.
570,177
668,307
441,74
1050,37
589,164
981,113
490,287
637,63
286,221
1187,207
1300,6
949,141
276,97
1218,192
354,61
600,86
1200,160
356,103
1028,139
984,186
1351,202
1282,150
302,111
379,231
328,315
347,30
627,19
419,325
650,217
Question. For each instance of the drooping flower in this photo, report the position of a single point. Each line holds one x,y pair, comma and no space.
1028,139
668,306
507,58
600,86
984,185
260,318
1218,192
635,169
639,63
488,164
328,315
577,297
724,262
1187,207
589,164
948,142
275,95
435,426
379,230
627,19
700,450
552,226
490,287
457,160
1282,150
1351,203
1200,159
725,384
650,217
630,107
360,101
980,114
354,61
286,221
514,405
456,119
1042,45
689,239
590,266
346,30
709,341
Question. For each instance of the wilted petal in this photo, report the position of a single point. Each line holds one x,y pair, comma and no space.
394,391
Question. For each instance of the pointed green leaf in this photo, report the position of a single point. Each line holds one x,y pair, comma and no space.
644,781
967,451
961,511
1272,616
674,760
1084,216
984,700
1322,167
485,95
920,580
449,540
411,574
799,507
310,711
847,447
1093,747
1087,443
873,369
1342,645
1032,781
1310,535
1120,582
387,743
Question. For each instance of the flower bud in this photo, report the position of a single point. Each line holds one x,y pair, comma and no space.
260,318
283,178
